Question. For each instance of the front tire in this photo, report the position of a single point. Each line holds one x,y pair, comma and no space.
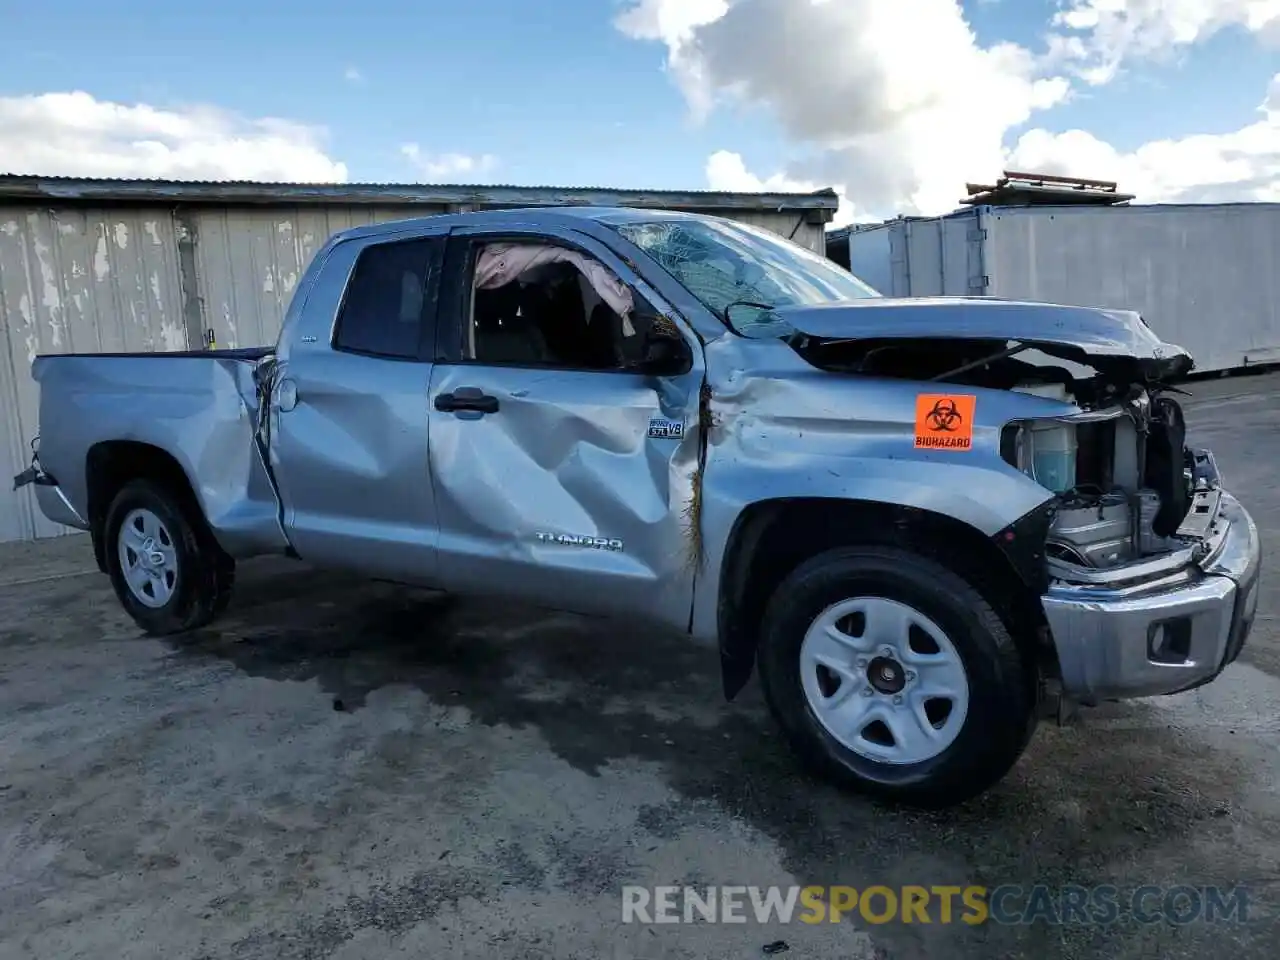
167,569
892,675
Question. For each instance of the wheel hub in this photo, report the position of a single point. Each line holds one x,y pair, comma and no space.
886,675
148,558
884,680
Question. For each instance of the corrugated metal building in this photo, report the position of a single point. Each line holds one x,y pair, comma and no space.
91,266
1204,276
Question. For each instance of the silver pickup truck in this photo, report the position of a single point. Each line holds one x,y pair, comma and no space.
928,523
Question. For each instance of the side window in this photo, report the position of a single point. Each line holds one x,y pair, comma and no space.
389,306
542,304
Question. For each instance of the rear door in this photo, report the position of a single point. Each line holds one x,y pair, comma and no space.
349,449
570,487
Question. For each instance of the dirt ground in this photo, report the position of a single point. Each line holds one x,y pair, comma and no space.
345,770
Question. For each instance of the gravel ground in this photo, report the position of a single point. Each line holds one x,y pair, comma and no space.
346,770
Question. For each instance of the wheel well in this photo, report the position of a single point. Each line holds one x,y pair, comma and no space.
772,538
112,464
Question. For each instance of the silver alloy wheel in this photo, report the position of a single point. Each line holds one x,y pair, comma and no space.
148,558
884,680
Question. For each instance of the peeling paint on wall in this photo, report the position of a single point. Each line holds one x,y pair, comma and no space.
49,297
172,337
101,266
28,321
229,324
71,281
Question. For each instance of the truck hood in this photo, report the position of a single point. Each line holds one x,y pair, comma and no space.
1118,343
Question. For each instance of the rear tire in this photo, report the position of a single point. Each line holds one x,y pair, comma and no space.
167,569
891,675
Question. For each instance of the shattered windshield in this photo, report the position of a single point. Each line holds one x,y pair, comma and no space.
737,271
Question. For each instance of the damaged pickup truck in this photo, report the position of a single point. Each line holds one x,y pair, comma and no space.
926,523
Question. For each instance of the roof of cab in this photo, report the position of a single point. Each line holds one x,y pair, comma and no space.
563,216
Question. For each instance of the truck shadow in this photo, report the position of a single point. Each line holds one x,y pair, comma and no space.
1130,804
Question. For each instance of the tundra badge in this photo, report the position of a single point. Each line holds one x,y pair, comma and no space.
578,540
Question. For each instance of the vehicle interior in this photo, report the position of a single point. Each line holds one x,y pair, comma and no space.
542,305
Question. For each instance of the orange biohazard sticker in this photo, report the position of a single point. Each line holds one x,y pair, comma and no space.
944,421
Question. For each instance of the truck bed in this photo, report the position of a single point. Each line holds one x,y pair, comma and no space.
199,407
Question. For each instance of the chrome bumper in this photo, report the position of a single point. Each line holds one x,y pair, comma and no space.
1161,630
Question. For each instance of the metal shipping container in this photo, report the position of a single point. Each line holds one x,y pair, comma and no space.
1202,275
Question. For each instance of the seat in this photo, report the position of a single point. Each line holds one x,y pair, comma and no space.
504,333
603,339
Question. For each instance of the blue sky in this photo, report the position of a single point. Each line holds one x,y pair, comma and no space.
558,93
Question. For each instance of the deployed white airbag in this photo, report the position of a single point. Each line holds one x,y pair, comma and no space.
502,263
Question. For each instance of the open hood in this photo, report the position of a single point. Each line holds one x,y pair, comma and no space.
1117,343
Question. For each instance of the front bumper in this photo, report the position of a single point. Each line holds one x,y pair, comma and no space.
1162,629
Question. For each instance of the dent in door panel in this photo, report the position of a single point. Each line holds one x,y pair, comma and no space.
539,468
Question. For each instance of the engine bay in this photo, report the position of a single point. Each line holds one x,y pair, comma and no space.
1127,486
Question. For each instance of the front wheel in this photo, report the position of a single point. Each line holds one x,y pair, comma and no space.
168,571
891,674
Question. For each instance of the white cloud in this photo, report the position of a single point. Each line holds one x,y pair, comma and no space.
353,75
1096,37
675,22
899,114
1205,168
74,134
448,166
727,171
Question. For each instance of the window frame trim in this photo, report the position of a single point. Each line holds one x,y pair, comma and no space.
428,321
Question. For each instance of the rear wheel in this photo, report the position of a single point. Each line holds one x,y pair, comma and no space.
891,674
167,569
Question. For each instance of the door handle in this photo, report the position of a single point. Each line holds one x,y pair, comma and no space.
466,399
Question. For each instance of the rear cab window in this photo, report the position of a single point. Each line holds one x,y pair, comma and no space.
389,307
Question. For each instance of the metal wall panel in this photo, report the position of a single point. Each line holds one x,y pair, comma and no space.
82,281
870,258
1203,276
938,257
810,235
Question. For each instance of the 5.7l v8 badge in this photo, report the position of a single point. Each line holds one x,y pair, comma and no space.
660,428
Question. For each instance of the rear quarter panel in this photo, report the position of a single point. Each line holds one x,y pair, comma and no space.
201,410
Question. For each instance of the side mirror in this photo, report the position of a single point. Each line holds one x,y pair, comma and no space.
665,353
